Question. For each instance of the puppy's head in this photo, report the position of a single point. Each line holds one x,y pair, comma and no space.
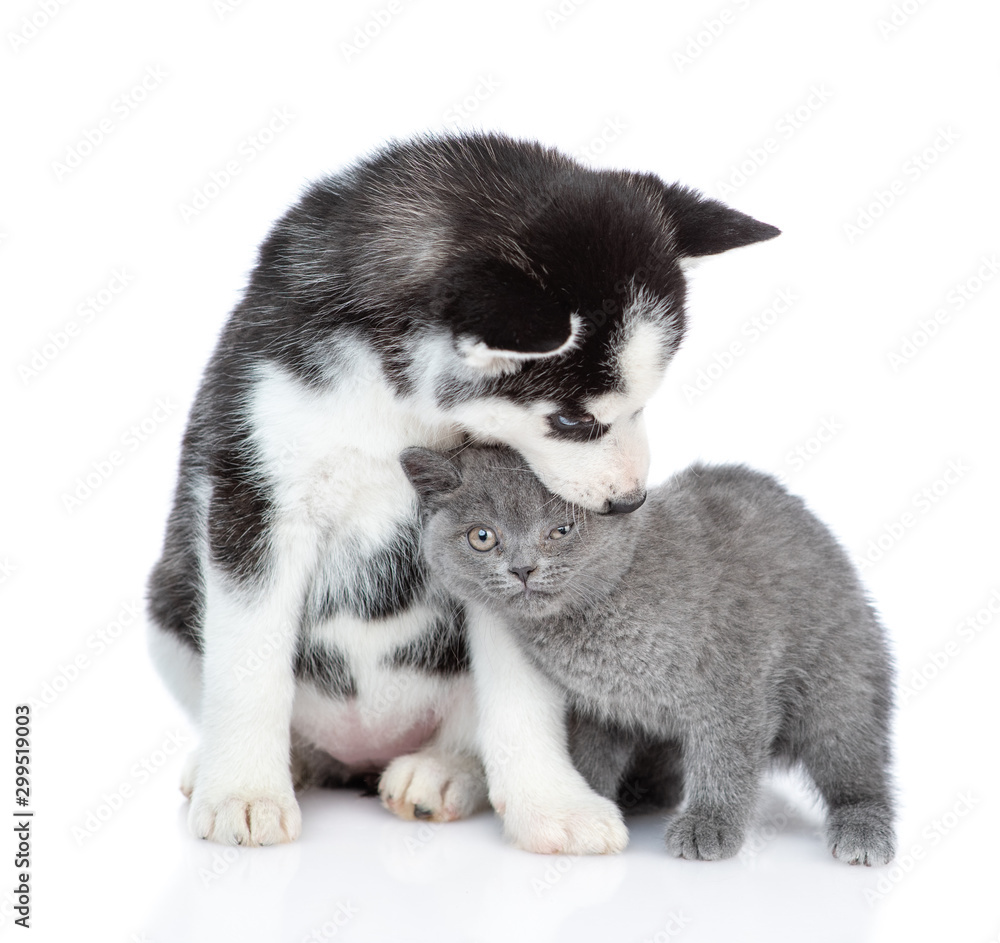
561,326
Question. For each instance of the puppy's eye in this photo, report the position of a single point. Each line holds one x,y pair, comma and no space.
482,539
573,422
557,533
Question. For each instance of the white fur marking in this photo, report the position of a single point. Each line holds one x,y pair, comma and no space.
492,360
547,806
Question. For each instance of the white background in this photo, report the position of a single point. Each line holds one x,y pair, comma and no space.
906,467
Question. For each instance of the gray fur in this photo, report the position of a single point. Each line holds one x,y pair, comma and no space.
721,619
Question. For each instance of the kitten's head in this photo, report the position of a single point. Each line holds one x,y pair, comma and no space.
495,535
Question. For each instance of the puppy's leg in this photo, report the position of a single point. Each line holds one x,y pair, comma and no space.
243,793
180,668
445,780
546,805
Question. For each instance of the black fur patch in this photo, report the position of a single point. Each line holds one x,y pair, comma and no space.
442,650
238,521
382,585
326,667
175,591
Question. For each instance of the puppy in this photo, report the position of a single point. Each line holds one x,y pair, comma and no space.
449,287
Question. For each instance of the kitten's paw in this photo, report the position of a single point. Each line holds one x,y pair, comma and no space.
246,820
581,823
861,834
702,835
433,785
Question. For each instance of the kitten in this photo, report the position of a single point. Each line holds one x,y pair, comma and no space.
713,631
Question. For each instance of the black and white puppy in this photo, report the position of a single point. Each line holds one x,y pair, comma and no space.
443,288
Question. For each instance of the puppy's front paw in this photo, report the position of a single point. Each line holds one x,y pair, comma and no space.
433,785
246,820
580,823
703,835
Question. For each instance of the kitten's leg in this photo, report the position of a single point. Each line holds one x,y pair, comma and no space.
844,740
546,805
850,769
445,780
722,770
600,751
654,780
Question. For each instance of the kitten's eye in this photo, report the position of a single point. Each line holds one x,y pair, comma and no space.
572,422
557,533
482,539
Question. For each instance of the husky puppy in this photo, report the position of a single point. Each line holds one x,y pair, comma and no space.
451,287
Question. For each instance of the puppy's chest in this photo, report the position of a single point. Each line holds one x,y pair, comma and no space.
332,455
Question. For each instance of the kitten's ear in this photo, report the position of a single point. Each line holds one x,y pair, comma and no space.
501,317
432,473
703,226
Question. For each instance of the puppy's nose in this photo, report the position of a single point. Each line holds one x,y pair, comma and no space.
522,572
626,504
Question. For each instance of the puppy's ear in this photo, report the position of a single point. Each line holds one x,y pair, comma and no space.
501,316
433,474
703,226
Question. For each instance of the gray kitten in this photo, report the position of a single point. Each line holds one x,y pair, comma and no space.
717,629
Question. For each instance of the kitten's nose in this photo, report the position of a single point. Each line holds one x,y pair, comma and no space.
627,504
522,572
